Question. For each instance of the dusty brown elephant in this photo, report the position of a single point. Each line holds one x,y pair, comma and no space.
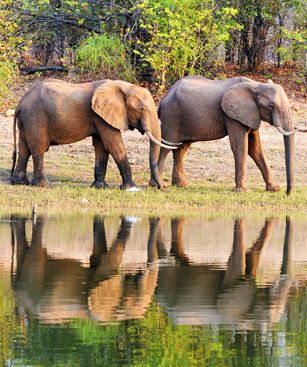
197,109
54,112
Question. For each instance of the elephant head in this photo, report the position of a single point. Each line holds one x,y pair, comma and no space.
126,106
250,102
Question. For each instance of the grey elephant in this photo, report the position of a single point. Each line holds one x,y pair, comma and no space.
55,112
197,109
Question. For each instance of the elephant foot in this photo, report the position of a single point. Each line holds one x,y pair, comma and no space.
16,180
179,183
100,185
153,183
240,189
40,182
272,187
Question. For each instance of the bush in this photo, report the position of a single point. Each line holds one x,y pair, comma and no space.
106,55
7,75
185,36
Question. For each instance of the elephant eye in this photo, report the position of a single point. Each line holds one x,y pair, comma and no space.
143,108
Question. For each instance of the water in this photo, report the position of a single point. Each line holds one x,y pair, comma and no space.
127,291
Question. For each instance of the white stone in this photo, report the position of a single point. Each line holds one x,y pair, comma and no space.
134,189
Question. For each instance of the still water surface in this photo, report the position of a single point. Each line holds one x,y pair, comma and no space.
126,291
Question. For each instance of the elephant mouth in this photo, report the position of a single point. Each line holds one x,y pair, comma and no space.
137,126
141,131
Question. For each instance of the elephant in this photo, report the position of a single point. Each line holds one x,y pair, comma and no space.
99,291
209,294
198,109
55,112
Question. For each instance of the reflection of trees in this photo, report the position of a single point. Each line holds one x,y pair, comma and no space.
8,320
153,340
201,294
60,289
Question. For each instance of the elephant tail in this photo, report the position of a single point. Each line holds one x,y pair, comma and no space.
14,155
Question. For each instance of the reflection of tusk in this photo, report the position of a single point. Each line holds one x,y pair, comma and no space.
169,143
152,138
283,132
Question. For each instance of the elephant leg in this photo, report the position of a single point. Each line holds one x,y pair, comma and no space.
236,263
113,143
38,141
177,248
22,245
100,246
178,168
253,256
238,138
101,162
39,178
20,173
257,154
163,154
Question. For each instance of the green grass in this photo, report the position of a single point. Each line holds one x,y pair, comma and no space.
71,174
198,198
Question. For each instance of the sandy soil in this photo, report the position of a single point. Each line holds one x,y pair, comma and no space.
206,161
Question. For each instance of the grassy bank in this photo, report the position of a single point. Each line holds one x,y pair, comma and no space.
184,201
209,171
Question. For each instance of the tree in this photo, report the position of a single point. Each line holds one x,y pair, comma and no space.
182,37
10,45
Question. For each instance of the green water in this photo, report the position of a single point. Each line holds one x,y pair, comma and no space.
110,291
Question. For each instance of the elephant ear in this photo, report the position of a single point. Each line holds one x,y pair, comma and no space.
109,102
239,103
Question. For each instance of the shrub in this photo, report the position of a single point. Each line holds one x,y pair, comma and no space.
106,55
7,75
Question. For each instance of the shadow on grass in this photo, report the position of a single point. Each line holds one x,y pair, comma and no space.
54,180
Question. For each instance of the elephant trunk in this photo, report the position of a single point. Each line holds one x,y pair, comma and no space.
286,123
289,154
155,130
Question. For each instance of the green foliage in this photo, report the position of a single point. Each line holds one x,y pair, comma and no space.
9,40
184,36
294,44
7,75
10,46
106,55
170,38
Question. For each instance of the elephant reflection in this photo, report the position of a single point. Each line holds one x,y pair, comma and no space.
200,294
55,290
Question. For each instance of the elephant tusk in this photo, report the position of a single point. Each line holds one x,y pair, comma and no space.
153,139
300,129
169,143
284,132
